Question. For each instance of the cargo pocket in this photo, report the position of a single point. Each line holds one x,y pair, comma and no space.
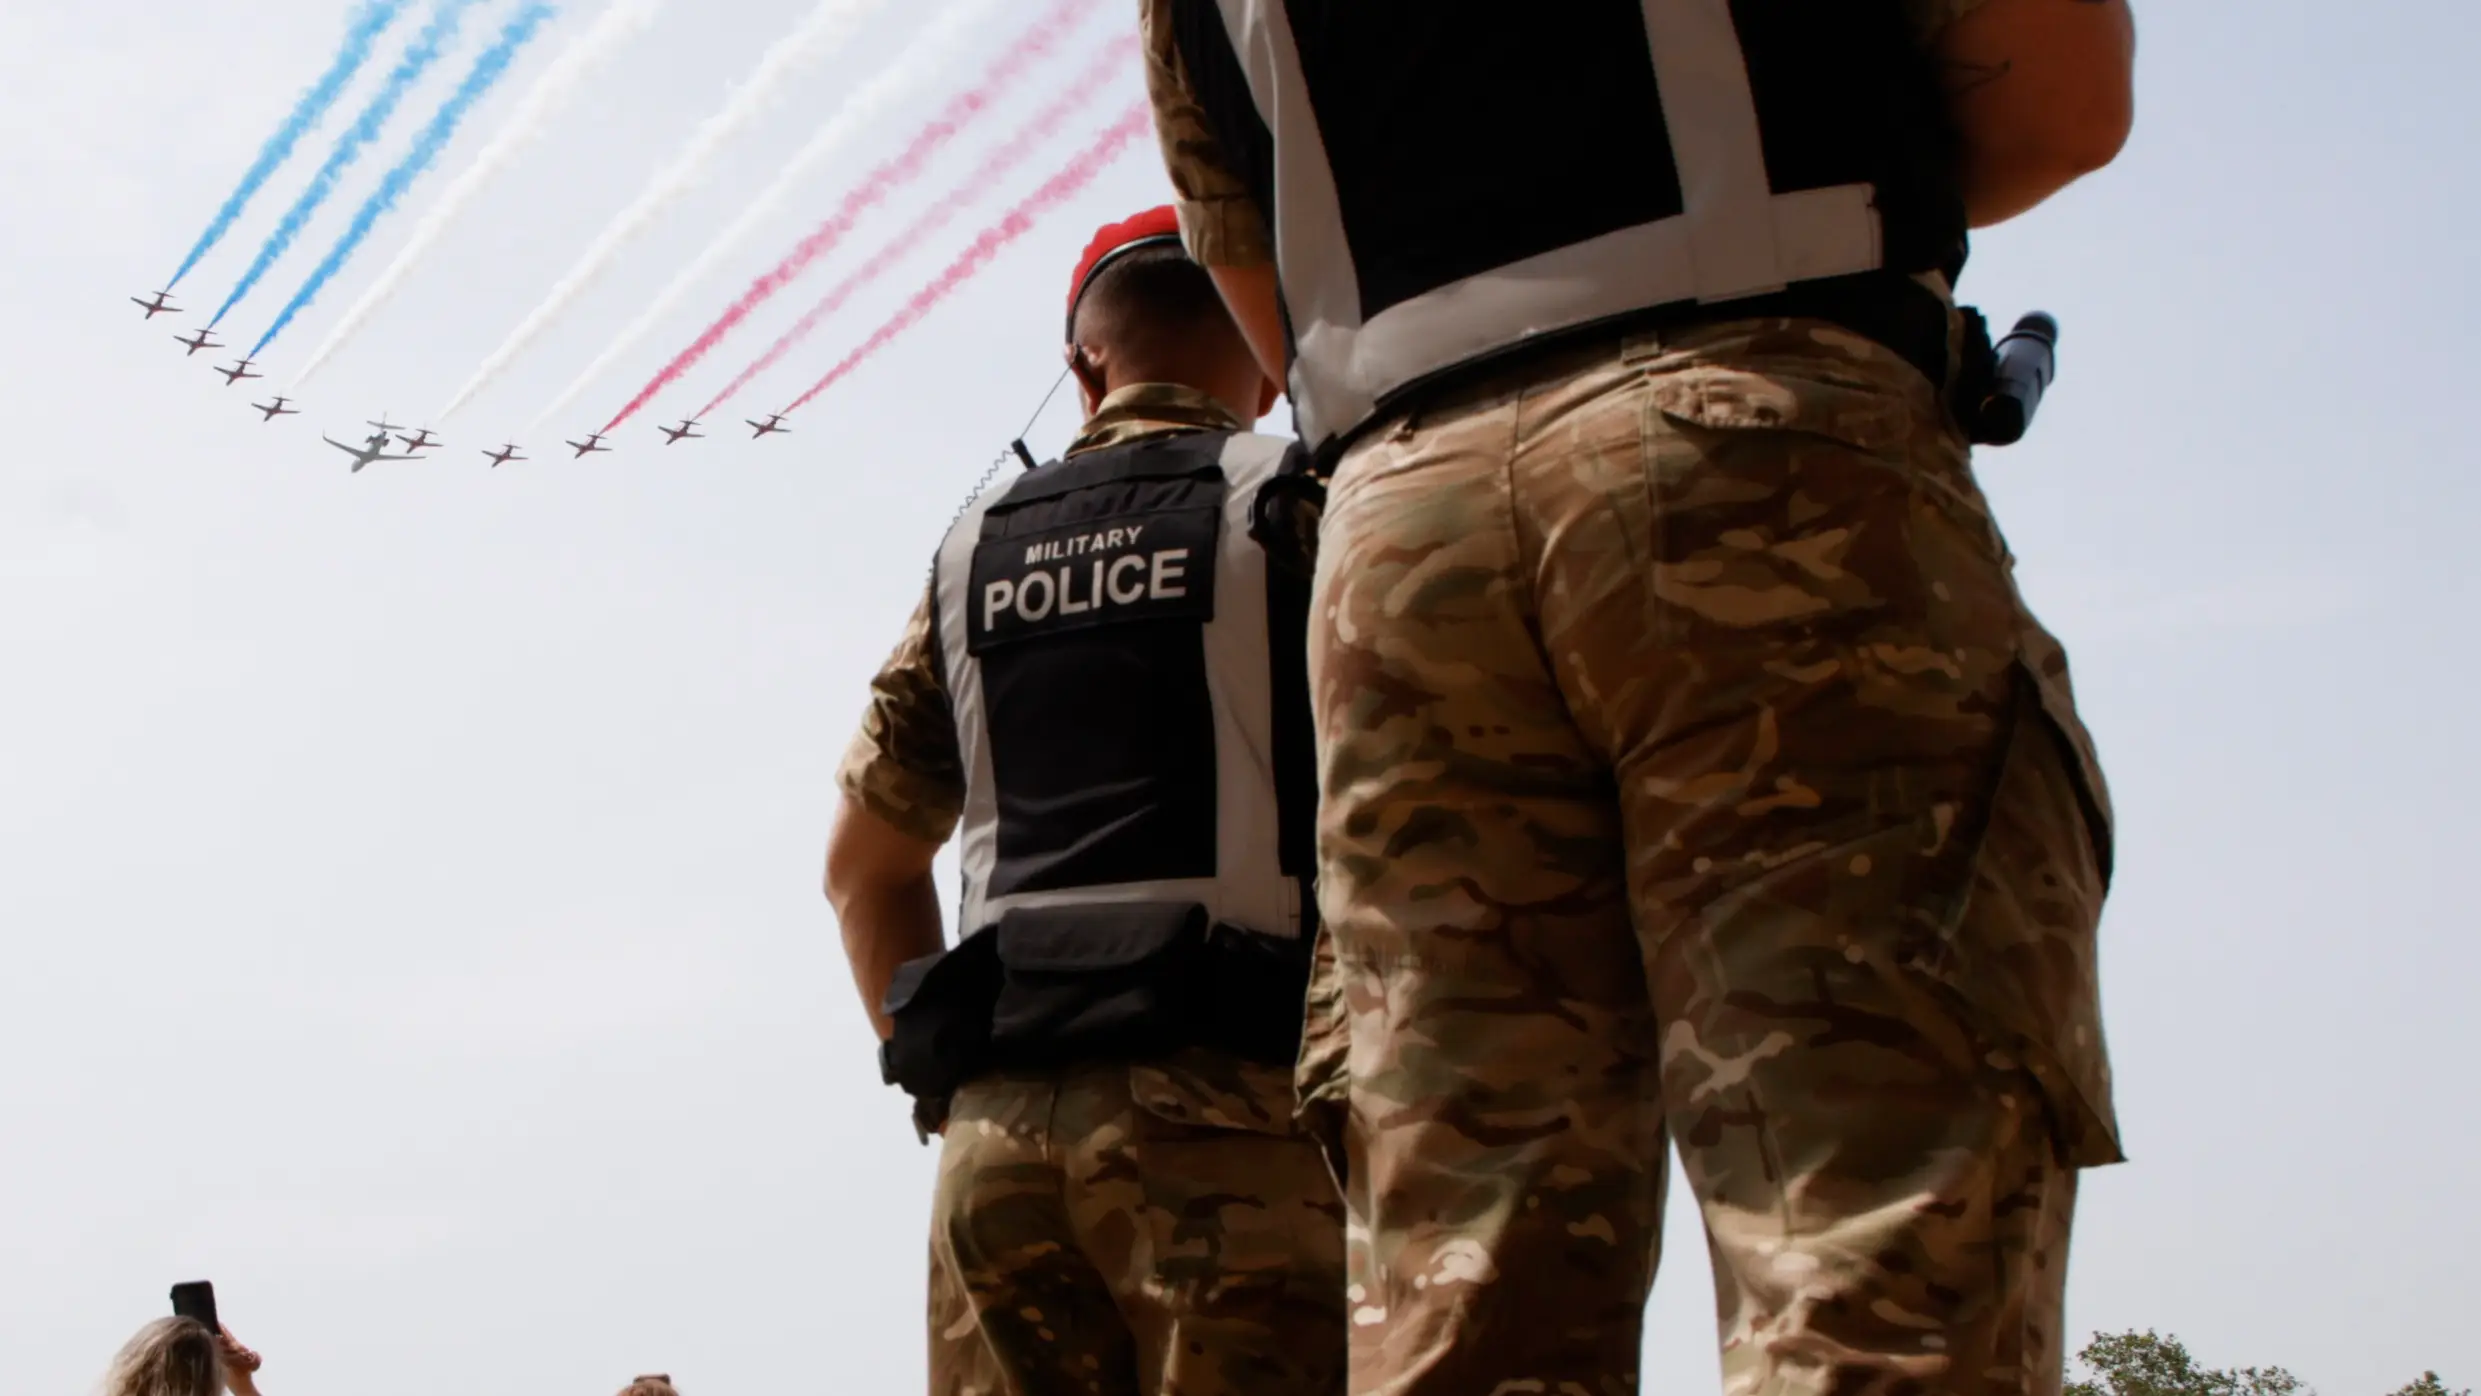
1096,981
1807,513
1835,628
2045,663
2024,956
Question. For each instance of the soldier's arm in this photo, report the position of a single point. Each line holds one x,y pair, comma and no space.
1225,230
878,880
1256,305
904,787
2042,92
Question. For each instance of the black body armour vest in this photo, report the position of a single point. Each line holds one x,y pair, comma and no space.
1452,180
1130,689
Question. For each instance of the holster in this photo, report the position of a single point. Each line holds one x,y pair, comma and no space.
940,1007
1976,369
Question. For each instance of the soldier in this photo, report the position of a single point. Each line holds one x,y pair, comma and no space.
1104,699
1690,765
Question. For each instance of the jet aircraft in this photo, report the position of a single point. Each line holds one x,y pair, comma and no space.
269,411
503,455
375,448
686,431
238,372
774,422
593,442
419,441
161,302
201,340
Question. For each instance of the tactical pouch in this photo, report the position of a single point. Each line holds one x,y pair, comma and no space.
1975,370
940,1006
1097,981
1255,986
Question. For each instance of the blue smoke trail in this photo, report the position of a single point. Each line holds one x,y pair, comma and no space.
426,147
419,56
369,22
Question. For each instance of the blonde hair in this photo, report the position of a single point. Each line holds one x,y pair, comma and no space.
169,1357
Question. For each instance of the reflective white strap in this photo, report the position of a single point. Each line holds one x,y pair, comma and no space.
1737,237
1704,81
1322,291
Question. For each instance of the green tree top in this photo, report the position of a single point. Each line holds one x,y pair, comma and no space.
2154,1364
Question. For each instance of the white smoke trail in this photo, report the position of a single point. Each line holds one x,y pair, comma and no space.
818,34
920,59
623,21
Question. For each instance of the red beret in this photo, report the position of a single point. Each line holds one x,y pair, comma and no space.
1149,229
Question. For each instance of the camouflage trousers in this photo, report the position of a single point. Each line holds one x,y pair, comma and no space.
1156,1230
1693,772
961,1363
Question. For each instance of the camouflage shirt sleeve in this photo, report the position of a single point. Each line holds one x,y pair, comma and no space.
1222,225
904,766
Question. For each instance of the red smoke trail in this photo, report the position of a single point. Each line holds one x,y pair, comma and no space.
1046,123
1055,191
1032,46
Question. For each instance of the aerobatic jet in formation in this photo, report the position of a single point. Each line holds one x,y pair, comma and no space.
593,442
774,422
238,372
375,448
686,431
161,302
201,340
269,411
419,441
503,455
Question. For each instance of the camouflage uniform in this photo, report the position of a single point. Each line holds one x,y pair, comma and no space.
1692,771
961,1363
1129,1230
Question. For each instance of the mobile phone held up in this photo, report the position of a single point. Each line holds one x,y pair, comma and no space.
196,1299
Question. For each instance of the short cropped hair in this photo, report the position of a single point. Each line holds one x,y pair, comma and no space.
1151,298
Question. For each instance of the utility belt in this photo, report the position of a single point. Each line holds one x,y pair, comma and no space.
1058,985
1888,308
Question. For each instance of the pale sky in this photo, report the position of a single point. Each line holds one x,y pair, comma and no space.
409,879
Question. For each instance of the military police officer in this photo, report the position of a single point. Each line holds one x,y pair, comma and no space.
1104,700
1690,764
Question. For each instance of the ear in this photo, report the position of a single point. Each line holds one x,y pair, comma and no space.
1091,383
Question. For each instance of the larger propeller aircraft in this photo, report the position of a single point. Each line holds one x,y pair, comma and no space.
372,450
